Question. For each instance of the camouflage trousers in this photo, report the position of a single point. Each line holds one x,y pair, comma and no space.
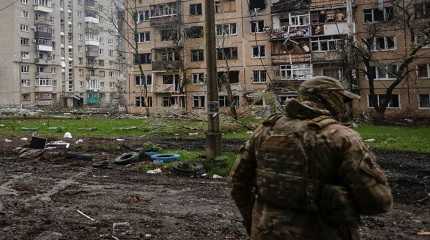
270,223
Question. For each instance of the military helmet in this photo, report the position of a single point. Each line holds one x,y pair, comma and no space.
328,91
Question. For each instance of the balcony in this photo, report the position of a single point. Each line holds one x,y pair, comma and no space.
339,28
44,48
44,89
44,35
290,58
43,8
92,51
323,57
291,32
92,42
91,20
166,65
169,20
167,88
44,75
43,61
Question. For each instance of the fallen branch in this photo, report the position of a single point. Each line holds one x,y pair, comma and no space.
85,215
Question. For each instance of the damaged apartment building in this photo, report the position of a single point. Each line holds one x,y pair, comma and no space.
173,57
60,53
265,47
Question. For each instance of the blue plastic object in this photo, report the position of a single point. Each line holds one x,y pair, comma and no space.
164,158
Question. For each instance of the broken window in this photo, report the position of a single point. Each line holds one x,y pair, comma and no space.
257,26
322,44
197,55
168,34
226,29
198,78
143,58
199,101
423,71
224,102
259,51
259,76
194,32
378,15
160,10
196,9
227,53
233,76
424,101
143,37
299,20
257,4
141,80
382,43
170,79
296,72
377,99
383,71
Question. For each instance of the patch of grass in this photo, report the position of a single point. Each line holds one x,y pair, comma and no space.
414,139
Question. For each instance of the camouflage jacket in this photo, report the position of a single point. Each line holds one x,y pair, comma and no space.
307,171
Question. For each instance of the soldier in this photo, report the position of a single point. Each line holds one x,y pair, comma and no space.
304,175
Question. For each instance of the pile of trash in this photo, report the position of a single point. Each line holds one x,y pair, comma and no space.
20,112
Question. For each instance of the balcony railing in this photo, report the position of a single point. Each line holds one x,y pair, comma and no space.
163,20
166,65
43,8
44,35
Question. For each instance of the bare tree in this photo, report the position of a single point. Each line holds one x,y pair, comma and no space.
125,19
225,80
359,54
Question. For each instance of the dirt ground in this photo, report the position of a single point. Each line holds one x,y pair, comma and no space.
72,199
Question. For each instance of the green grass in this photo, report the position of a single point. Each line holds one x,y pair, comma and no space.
415,139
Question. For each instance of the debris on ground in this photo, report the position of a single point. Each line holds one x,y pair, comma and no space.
6,140
92,129
121,229
68,135
38,143
24,139
164,158
423,233
85,215
370,140
127,158
79,141
188,169
215,176
58,145
155,171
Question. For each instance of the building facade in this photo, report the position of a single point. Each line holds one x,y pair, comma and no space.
58,53
172,55
268,47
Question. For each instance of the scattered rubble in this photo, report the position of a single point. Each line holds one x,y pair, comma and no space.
155,171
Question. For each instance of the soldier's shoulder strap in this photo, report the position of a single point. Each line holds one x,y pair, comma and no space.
322,122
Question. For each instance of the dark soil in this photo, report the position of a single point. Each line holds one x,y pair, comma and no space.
42,199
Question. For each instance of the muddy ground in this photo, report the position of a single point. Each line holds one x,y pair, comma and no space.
71,199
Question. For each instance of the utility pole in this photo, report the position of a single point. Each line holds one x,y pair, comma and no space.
214,135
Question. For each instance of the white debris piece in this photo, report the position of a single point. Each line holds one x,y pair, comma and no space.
216,176
79,141
155,171
370,140
120,140
24,139
68,135
8,140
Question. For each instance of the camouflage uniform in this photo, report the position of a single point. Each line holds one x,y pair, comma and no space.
304,175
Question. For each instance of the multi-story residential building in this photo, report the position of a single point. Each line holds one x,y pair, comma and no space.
61,52
172,54
394,32
306,38
30,65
